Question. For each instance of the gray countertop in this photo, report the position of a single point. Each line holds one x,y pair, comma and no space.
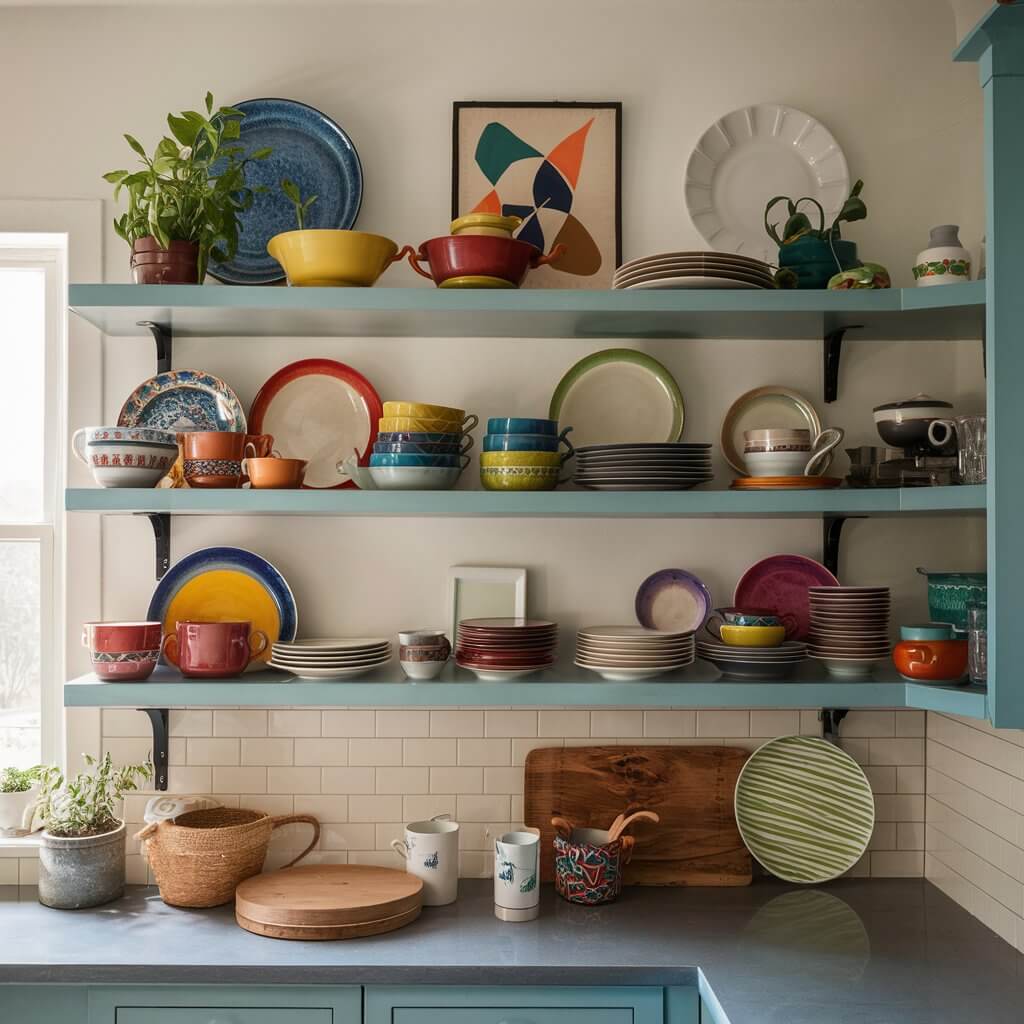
854,952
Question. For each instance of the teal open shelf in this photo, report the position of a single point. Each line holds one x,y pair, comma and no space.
211,311
535,504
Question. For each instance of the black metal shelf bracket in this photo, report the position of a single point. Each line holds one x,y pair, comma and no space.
833,352
161,523
830,719
164,338
160,719
831,532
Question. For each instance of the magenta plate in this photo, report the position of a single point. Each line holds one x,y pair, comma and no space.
781,583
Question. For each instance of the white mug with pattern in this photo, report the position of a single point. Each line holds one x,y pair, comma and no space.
517,876
430,850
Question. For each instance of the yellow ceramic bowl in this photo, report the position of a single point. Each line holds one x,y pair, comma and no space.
421,411
329,258
540,460
485,224
753,636
421,425
518,478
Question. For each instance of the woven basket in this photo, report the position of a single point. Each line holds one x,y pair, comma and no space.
200,858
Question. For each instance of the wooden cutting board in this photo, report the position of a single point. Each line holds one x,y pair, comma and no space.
328,901
691,788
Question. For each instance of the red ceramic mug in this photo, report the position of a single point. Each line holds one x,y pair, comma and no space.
214,650
125,652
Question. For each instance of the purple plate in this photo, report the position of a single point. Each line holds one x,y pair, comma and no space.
781,583
674,600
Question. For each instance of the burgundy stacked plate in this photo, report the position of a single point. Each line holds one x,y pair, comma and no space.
849,629
497,649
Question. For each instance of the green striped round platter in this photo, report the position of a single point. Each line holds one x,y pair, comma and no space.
804,809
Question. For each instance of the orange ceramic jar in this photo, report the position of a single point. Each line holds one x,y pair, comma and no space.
931,661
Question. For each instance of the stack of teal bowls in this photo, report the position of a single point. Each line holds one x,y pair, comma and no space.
523,454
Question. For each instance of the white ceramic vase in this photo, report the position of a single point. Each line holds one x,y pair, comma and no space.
17,811
945,261
516,876
430,850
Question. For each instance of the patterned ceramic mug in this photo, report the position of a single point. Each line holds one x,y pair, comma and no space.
516,876
431,853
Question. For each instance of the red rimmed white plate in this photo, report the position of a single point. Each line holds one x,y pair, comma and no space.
319,410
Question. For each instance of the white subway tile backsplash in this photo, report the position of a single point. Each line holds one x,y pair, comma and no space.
483,808
239,780
189,780
330,752
403,780
522,746
238,722
617,722
896,751
456,723
910,778
473,751
129,722
330,809
403,722
9,871
723,723
359,779
457,780
294,722
129,750
669,724
910,835
510,723
177,750
375,808
348,722
213,751
375,751
552,722
859,722
810,723
352,836
503,780
899,807
882,779
291,779
277,803
424,806
188,722
775,723
267,750
437,751
910,723
384,833
897,864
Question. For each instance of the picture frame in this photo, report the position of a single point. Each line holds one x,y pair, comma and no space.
480,591
505,154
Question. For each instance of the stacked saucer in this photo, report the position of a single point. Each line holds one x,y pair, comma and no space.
497,649
761,663
668,466
331,658
694,270
625,653
849,629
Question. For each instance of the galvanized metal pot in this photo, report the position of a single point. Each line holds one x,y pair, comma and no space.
81,872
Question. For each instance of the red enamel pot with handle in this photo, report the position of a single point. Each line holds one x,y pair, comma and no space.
452,259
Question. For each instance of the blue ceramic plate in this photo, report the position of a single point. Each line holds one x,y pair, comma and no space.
311,150
183,400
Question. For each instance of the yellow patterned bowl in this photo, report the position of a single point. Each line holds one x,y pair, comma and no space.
486,224
518,478
753,636
331,258
540,460
421,411
425,425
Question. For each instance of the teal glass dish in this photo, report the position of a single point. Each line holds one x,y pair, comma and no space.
927,631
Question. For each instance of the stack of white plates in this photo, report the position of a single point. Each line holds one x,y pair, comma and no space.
668,466
849,629
761,663
331,658
625,653
694,270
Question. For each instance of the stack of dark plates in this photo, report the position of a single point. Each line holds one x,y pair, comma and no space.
668,466
497,649
761,663
849,629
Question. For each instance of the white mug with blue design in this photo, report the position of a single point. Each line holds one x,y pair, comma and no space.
517,876
431,852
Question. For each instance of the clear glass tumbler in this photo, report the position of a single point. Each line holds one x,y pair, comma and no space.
977,643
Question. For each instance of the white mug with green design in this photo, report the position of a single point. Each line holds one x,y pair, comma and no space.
517,876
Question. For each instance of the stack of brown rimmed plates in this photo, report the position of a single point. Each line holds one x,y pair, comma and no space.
497,649
760,663
694,270
331,658
625,653
785,483
849,629
651,466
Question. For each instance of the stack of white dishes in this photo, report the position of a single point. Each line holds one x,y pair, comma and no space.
653,466
331,658
506,648
694,270
625,653
761,663
849,629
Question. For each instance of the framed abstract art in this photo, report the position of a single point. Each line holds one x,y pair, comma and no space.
556,166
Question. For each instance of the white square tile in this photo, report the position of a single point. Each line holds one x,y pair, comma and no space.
510,723
430,752
348,780
375,808
290,779
375,751
456,723
617,722
670,724
239,722
473,751
329,752
722,722
265,750
403,780
294,722
228,779
212,750
403,722
457,780
348,722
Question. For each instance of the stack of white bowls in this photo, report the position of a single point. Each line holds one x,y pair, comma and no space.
849,629
625,653
331,658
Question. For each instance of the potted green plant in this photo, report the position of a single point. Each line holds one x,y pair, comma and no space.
183,205
814,255
18,797
81,859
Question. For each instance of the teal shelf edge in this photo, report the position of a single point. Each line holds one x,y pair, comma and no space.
700,686
211,311
538,504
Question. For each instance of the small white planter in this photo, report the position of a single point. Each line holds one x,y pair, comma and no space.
17,811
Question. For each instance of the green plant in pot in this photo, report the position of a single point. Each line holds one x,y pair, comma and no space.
184,204
18,798
81,860
814,255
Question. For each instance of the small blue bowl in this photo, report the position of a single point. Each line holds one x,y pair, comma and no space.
419,438
522,425
520,443
927,631
434,461
412,448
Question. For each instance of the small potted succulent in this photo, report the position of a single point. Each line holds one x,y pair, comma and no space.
814,255
18,797
183,205
81,859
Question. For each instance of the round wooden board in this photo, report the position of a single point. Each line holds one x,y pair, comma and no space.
328,896
321,932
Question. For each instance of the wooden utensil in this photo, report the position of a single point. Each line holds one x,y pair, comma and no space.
328,901
562,827
616,830
690,788
620,818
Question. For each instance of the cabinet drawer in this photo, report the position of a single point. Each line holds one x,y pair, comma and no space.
220,1015
509,1015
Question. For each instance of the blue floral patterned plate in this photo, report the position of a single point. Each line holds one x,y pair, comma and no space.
183,400
309,149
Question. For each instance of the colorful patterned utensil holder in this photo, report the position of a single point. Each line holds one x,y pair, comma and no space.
590,874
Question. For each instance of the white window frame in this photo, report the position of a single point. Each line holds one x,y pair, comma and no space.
48,252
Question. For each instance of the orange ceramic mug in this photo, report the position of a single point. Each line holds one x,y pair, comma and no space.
273,472
933,661
213,458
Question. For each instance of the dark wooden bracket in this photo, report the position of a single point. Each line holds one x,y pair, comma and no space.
164,338
833,352
830,719
161,523
160,719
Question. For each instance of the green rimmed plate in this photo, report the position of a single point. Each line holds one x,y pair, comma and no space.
804,809
619,396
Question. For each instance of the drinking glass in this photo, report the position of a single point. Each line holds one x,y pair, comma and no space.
971,442
977,643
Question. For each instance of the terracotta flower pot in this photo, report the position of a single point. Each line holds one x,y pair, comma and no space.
151,263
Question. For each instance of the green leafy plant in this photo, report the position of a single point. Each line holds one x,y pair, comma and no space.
291,190
193,187
86,805
19,780
798,224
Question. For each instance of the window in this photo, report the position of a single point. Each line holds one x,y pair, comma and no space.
31,478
